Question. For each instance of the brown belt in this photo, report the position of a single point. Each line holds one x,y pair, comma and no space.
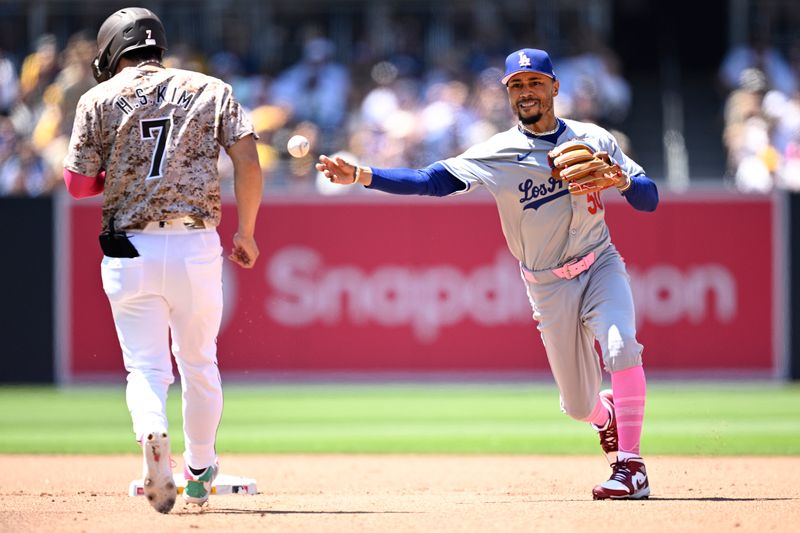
189,221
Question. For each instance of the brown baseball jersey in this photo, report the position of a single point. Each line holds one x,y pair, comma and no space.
156,133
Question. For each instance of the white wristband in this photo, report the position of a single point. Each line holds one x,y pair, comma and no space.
356,174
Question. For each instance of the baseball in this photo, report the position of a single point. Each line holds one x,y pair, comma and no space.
298,146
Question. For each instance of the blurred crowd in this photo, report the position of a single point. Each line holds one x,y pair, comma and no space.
390,110
394,110
762,116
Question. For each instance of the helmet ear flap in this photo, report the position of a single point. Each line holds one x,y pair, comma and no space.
100,74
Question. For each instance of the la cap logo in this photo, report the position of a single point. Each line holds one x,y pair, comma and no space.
524,61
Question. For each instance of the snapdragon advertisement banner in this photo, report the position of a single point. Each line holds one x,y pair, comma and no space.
407,285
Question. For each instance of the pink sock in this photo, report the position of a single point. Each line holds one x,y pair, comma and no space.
599,415
629,388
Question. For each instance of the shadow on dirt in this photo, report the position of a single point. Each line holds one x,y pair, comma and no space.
284,512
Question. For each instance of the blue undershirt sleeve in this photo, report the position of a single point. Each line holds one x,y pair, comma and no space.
642,194
433,180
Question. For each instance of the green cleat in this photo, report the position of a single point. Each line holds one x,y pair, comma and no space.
198,486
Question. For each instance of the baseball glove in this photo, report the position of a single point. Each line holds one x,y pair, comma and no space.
584,170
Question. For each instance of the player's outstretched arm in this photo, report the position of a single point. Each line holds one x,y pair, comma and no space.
248,188
433,180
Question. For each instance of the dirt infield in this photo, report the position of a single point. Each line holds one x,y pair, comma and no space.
409,493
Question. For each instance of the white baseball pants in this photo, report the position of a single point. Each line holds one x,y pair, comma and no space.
173,287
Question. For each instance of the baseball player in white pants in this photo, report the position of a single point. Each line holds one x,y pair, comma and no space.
575,278
173,287
148,138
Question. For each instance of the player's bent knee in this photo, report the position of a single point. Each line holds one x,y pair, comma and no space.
627,353
578,410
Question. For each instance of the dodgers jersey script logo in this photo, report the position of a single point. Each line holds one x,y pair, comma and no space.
135,123
543,224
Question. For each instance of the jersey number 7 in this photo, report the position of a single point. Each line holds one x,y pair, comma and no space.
158,128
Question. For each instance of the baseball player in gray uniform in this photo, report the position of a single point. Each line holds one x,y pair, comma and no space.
576,280
148,138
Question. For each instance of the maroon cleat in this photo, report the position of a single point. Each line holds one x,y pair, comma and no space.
609,440
628,481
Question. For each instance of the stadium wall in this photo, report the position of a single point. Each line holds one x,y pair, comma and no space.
384,285
26,274
793,223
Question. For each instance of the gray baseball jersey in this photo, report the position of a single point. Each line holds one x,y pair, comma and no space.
545,227
543,224
151,128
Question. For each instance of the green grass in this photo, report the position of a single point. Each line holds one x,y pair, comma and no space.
700,418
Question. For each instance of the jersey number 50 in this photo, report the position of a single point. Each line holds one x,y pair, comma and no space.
158,129
595,203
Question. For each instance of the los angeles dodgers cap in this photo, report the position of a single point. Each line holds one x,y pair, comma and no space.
528,60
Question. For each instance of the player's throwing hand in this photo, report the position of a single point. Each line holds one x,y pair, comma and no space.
339,171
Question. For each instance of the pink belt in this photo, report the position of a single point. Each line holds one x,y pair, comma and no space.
567,271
